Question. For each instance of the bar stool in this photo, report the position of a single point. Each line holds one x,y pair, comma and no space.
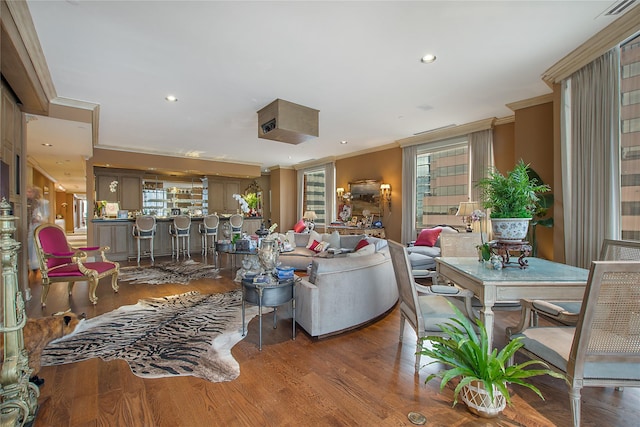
236,221
209,227
145,229
180,230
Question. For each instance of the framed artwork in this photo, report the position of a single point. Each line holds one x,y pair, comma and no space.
365,196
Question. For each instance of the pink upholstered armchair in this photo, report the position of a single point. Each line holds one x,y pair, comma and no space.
59,262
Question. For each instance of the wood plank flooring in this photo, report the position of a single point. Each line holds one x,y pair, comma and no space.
363,377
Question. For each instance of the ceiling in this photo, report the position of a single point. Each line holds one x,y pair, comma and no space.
357,62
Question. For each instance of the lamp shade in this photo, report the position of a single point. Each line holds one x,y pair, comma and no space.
310,215
466,208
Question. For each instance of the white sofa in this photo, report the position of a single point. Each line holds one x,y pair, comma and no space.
346,291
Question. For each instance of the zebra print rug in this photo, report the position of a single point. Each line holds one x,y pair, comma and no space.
179,335
168,272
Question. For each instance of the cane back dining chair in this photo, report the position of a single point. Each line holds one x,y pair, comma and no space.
423,307
208,229
59,262
180,232
144,229
603,349
236,221
566,312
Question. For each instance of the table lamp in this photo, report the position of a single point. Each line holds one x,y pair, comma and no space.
465,210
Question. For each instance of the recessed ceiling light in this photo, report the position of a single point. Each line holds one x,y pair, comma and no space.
343,142
46,144
428,58
171,98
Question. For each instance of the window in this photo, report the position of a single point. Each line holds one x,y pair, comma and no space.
442,182
314,195
630,139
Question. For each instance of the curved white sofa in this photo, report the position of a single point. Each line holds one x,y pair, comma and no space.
344,292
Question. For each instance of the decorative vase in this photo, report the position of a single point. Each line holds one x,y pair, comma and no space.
510,230
476,397
268,254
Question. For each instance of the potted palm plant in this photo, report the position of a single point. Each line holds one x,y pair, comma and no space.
483,373
512,199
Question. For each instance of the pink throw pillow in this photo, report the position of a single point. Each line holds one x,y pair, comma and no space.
299,227
361,244
428,237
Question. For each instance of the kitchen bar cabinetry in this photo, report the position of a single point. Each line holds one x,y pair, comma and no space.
116,233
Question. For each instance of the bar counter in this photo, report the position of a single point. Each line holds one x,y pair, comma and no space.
117,234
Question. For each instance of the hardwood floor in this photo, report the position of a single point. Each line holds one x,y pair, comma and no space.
363,377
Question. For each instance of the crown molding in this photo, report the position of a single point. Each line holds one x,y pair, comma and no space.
609,37
369,150
505,120
314,162
451,132
531,102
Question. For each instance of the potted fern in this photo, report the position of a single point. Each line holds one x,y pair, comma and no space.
512,199
483,373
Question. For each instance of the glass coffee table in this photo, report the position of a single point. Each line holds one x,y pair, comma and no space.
272,294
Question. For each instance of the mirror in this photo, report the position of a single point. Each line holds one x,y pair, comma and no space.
365,195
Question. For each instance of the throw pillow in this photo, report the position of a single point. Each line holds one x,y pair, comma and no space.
318,246
361,244
428,236
314,236
299,227
365,250
333,239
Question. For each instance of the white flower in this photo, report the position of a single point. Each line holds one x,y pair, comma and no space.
244,206
113,186
477,215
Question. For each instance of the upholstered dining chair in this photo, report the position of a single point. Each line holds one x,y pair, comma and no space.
144,229
59,262
180,232
424,307
603,349
236,221
208,228
567,312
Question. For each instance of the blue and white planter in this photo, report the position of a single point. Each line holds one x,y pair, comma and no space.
510,230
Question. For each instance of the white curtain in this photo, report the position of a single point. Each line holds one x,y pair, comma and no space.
591,158
481,161
408,229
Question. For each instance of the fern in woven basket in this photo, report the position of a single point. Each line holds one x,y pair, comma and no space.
468,356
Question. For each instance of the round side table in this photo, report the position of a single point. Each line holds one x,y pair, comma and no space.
271,294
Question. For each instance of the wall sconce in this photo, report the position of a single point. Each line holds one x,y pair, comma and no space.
339,192
385,193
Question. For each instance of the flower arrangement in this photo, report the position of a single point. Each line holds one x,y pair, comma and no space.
113,187
99,206
248,202
483,247
244,206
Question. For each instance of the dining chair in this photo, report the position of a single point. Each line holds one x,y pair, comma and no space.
603,348
208,228
144,229
424,307
236,221
59,262
180,232
566,312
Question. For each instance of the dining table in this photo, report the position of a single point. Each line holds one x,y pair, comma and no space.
539,279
